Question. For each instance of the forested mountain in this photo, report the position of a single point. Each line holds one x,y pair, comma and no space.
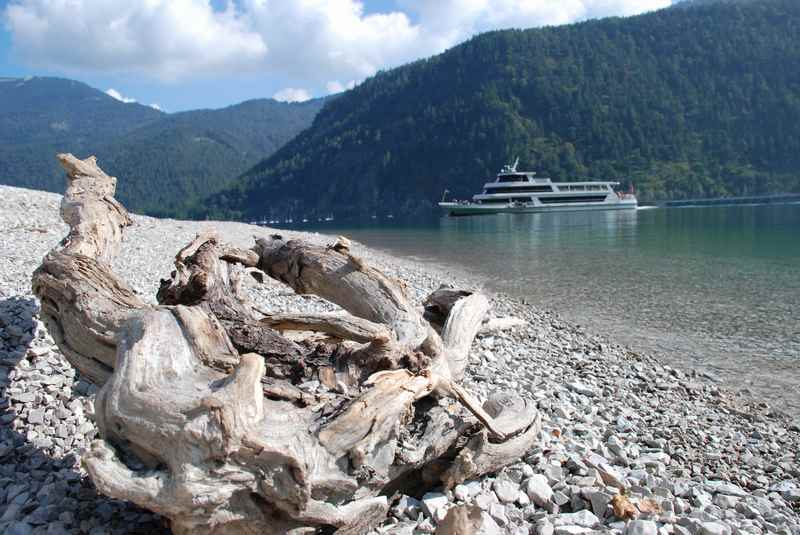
42,116
165,160
691,102
184,156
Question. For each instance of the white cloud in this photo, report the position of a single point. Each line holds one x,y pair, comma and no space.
318,40
166,39
316,43
291,94
335,86
156,106
117,95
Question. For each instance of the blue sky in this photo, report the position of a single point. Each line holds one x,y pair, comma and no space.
188,54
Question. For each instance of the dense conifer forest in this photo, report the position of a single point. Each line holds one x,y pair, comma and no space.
697,101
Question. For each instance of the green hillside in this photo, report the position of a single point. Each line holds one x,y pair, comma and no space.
42,116
184,156
691,102
166,160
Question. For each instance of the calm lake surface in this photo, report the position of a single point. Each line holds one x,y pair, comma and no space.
716,289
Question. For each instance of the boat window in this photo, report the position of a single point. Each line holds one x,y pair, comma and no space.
577,198
521,189
496,201
512,178
584,187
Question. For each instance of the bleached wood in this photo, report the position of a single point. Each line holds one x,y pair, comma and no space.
83,303
342,326
521,424
506,323
215,404
463,322
334,275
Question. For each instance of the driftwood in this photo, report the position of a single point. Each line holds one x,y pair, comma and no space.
212,404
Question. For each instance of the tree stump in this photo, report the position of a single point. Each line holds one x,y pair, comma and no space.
205,392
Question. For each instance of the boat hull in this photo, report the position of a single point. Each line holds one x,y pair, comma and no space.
459,209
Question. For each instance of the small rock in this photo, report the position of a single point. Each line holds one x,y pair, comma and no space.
554,473
544,527
498,512
599,501
583,518
539,490
505,489
560,499
461,493
714,528
407,507
725,501
641,527
723,487
19,528
571,530
581,388
484,500
432,501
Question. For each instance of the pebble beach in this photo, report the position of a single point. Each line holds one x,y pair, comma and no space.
687,455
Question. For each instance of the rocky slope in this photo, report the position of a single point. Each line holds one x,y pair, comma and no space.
687,456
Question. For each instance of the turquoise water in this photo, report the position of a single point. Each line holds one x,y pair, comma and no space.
716,289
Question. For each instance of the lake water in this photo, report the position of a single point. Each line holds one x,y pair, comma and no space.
716,289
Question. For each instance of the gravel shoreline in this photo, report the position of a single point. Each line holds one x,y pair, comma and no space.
691,456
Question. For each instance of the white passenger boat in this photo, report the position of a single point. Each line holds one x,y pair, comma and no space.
521,192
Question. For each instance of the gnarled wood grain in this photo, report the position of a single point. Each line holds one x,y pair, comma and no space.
221,409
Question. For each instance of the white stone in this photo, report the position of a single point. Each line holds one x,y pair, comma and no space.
461,492
714,528
544,527
584,518
432,501
484,500
488,526
723,487
581,388
505,489
641,527
571,530
498,512
554,473
473,487
725,501
538,490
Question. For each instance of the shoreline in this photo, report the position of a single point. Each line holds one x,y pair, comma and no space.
709,459
740,333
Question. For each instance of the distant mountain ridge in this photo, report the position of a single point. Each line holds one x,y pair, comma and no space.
702,101
166,161
196,153
42,116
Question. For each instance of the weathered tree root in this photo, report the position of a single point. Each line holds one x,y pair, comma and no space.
207,395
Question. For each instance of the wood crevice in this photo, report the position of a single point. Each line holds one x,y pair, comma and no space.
252,422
